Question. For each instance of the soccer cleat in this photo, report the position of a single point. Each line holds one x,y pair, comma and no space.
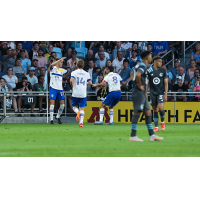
58,119
156,129
136,139
78,116
155,138
110,123
51,122
162,126
98,123
80,125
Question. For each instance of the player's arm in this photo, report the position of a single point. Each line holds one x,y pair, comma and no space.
71,81
147,87
100,84
54,63
138,81
166,89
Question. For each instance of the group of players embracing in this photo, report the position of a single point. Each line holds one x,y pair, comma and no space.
155,76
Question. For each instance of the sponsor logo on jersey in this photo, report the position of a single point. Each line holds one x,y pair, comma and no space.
161,74
156,80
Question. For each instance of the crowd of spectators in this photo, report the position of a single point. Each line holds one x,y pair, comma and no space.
24,66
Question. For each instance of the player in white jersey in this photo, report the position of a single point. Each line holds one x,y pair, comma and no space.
114,81
79,80
56,89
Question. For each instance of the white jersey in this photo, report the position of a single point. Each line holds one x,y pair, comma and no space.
56,76
113,80
81,78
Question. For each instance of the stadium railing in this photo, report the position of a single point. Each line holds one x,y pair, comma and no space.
185,49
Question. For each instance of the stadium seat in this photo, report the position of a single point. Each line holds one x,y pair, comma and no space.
77,44
80,55
57,51
2,74
81,51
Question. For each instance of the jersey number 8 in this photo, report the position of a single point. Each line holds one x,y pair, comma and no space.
114,79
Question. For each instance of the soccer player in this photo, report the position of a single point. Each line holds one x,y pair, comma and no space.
114,96
140,102
158,82
79,80
56,89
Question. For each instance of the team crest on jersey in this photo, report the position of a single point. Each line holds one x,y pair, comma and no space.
156,80
151,74
161,74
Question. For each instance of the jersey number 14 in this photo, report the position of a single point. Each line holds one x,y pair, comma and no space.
80,81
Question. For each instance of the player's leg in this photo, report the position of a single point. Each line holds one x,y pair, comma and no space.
102,110
111,115
75,102
162,115
82,104
154,104
52,98
61,99
147,112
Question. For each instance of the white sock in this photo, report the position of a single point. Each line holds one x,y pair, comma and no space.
82,113
60,110
75,109
101,114
111,115
51,111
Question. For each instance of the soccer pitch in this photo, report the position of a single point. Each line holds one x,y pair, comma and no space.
68,140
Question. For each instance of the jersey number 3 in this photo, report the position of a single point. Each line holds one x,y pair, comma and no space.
81,81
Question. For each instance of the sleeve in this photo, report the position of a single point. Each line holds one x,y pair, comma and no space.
141,69
166,45
105,79
96,54
73,74
170,75
113,64
88,77
65,71
120,79
165,74
29,62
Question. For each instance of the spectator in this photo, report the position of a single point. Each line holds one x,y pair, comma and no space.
96,75
91,68
24,86
127,46
42,61
142,45
101,62
193,81
39,87
27,45
26,63
190,71
196,53
4,87
134,60
129,54
149,48
11,79
33,53
196,88
11,45
102,93
94,44
90,56
43,72
118,62
50,61
98,80
179,87
170,79
9,59
35,65
3,48
48,54
71,62
31,77
19,48
101,48
108,63
177,64
109,46
43,44
185,78
54,55
160,47
118,48
59,44
19,71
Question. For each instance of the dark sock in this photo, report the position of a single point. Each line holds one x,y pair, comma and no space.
134,125
162,115
149,125
156,119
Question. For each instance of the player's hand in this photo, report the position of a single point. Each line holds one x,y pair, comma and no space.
94,85
141,87
165,97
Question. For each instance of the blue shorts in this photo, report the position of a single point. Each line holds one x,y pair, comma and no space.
112,98
53,94
82,102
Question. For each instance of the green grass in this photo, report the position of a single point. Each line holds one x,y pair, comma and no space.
28,140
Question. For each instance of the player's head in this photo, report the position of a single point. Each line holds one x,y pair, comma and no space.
80,64
157,60
125,63
146,56
109,69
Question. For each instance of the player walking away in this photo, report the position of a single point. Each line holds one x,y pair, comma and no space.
140,102
158,81
78,81
56,89
114,96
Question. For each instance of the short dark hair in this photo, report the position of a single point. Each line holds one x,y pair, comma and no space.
144,54
40,76
53,52
119,51
10,68
42,68
110,68
35,43
3,79
90,60
18,59
156,58
24,78
149,44
125,61
51,57
197,69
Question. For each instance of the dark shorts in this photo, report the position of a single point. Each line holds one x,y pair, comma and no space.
156,99
140,103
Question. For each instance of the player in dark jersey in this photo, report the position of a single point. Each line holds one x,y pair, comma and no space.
140,102
158,82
